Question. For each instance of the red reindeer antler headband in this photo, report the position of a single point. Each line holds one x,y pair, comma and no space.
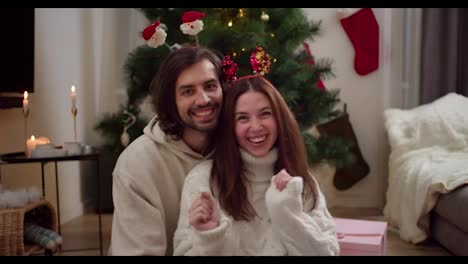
260,63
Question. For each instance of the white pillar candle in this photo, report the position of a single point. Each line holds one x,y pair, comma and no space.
73,96
30,146
25,102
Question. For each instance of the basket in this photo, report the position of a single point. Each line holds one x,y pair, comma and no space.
11,226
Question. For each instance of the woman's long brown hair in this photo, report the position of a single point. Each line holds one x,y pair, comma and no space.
229,176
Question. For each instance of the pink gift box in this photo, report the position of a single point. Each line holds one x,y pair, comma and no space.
361,237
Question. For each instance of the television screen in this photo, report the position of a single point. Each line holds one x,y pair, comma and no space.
17,48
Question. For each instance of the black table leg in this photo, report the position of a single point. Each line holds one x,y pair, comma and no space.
58,198
99,204
42,176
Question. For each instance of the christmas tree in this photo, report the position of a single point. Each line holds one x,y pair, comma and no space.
236,32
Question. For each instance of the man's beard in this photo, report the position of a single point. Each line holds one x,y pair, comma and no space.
200,128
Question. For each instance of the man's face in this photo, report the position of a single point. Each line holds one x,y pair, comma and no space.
199,97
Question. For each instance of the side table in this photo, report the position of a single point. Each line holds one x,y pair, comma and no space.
19,157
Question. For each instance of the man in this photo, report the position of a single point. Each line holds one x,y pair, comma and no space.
149,174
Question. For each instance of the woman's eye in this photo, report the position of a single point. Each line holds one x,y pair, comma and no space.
241,118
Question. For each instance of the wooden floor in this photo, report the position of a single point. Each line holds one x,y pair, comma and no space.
82,233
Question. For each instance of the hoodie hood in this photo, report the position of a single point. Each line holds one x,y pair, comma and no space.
153,131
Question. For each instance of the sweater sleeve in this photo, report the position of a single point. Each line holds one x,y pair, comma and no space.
132,217
187,240
303,232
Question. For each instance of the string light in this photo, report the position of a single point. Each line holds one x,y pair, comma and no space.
272,35
230,23
241,13
234,54
264,17
243,49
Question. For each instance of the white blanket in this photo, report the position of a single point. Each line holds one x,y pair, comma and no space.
429,156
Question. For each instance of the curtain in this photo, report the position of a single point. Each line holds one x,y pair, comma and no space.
108,36
444,58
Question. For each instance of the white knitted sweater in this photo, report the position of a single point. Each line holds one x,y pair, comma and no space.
281,228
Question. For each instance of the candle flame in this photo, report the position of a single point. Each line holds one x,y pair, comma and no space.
73,88
25,95
32,137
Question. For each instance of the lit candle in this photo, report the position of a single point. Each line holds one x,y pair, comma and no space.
30,146
73,96
25,102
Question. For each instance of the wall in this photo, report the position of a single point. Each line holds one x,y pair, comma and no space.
366,98
57,67
85,47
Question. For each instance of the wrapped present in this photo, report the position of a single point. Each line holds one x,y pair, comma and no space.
361,237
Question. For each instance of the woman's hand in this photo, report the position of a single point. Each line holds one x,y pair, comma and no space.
203,213
281,179
284,197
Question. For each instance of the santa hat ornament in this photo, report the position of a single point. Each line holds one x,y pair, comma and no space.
191,25
154,35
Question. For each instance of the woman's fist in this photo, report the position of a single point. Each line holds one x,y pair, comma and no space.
203,213
281,179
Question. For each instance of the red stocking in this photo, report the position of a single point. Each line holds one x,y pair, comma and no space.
363,30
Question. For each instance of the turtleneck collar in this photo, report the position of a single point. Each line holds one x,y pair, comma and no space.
261,167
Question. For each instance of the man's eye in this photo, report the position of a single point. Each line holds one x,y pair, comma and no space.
187,92
212,86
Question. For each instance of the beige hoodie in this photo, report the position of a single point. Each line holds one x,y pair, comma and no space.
147,185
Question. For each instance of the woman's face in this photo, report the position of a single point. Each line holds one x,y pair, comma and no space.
255,125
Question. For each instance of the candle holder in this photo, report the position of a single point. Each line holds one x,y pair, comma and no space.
25,114
74,111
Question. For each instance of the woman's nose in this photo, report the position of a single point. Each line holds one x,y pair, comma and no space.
255,124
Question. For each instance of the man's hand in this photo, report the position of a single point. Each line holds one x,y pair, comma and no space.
203,213
282,179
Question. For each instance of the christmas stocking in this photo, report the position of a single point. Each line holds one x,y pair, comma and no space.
363,30
341,127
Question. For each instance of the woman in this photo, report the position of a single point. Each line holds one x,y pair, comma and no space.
265,202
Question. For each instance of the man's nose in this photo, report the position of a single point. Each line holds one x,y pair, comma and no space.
203,98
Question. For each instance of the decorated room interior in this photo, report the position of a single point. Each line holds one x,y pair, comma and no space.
379,94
